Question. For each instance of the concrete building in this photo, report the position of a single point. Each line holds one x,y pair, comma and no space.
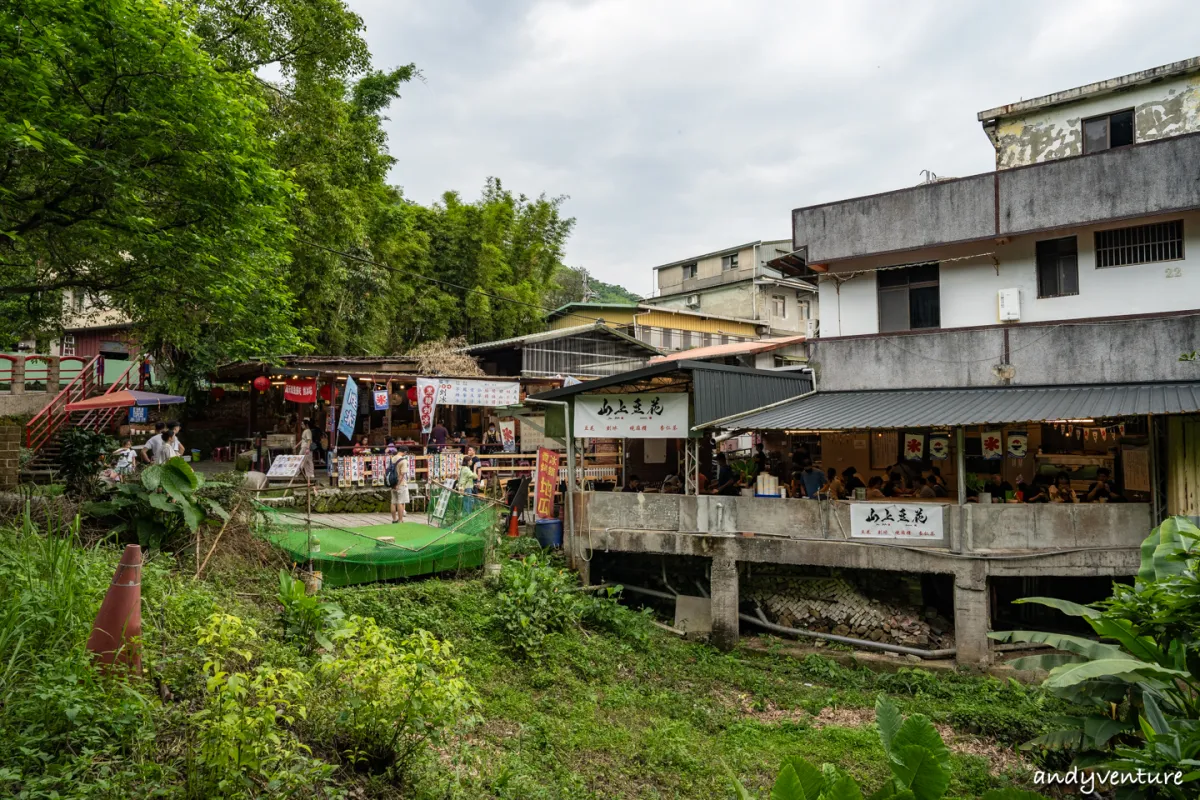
748,281
1030,321
666,329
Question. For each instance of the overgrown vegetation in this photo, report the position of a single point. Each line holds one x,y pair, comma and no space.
1138,686
81,459
416,690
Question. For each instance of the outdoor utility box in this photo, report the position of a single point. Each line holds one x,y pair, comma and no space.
1009,301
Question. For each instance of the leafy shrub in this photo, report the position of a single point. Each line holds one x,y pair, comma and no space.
391,701
306,618
917,757
161,507
81,458
533,601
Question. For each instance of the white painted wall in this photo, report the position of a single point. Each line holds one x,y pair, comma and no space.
968,289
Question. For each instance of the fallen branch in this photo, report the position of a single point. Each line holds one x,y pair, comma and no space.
213,549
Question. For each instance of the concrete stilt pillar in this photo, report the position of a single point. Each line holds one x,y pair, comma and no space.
17,384
972,617
725,602
53,381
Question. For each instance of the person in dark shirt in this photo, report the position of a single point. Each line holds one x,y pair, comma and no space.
634,484
812,479
761,462
1104,490
727,482
998,486
1038,491
851,481
894,487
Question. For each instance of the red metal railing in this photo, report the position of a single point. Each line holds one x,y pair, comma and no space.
105,418
7,367
47,422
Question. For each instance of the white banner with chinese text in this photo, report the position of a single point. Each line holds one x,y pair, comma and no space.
650,415
896,521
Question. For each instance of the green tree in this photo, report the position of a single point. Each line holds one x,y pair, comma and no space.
132,171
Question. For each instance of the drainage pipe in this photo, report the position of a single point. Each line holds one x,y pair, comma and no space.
762,621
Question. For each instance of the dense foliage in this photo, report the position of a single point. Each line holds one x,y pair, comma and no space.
150,168
81,459
1138,686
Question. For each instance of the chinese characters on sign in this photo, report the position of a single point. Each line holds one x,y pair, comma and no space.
547,481
433,392
895,521
349,409
139,414
300,390
990,445
508,435
914,446
652,415
381,399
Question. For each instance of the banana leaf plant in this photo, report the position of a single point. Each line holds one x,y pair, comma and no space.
161,506
1138,683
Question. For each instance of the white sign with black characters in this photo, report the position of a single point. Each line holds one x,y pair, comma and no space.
896,521
650,415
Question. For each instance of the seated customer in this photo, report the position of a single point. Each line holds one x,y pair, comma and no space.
727,479
922,489
833,489
851,481
1037,492
672,484
875,488
1104,489
894,486
998,487
1061,491
634,485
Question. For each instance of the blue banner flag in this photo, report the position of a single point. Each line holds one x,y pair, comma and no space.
349,410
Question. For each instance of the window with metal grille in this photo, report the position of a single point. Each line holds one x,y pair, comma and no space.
1141,244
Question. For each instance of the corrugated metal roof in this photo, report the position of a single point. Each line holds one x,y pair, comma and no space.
927,408
718,391
731,349
559,333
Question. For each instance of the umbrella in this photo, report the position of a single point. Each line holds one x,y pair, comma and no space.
124,399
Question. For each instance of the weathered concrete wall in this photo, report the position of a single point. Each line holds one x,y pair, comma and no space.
988,529
20,405
1167,108
1121,351
1154,177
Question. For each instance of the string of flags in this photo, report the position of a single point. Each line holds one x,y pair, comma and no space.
1095,433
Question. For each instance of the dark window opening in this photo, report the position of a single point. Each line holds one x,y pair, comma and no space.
1058,267
909,298
1108,131
689,271
1140,244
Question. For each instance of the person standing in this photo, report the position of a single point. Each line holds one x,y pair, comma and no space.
727,481
126,459
812,479
164,449
304,447
177,446
491,440
153,442
437,437
398,461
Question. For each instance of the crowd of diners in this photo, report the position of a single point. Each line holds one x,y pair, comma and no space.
904,481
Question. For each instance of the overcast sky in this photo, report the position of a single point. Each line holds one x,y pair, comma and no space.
678,128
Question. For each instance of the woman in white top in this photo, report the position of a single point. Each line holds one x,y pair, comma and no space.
304,447
400,496
175,427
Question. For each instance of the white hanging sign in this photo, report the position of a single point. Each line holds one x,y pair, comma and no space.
896,521
649,415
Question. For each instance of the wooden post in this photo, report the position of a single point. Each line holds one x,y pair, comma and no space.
387,415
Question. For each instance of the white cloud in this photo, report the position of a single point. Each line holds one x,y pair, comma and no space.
680,127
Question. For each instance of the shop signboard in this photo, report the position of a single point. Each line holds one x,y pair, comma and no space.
547,481
349,409
300,390
381,399
908,521
286,466
434,392
426,402
508,435
648,415
139,414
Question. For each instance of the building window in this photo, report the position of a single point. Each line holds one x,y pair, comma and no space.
1058,267
689,271
689,339
666,338
1141,244
706,340
1108,131
68,345
729,261
909,298
778,306
803,308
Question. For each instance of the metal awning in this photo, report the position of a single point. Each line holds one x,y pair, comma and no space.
995,405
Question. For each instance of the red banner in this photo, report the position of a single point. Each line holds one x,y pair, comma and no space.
547,482
300,390
426,402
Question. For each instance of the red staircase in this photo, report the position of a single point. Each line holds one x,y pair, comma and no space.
42,432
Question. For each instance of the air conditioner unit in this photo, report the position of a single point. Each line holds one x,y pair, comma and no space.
1009,302
692,301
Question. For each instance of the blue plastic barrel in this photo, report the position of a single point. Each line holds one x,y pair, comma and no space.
548,532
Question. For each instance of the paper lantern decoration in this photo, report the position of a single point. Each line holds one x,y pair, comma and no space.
217,393
262,382
327,392
412,394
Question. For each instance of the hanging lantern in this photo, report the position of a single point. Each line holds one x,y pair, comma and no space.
216,393
327,392
262,382
412,394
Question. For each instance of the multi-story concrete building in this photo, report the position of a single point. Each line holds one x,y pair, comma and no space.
749,281
1021,327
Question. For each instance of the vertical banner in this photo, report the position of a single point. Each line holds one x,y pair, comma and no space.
991,445
349,409
914,446
547,482
427,389
939,447
1018,445
381,399
508,435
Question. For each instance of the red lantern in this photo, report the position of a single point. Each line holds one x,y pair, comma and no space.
262,383
412,394
327,392
217,393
